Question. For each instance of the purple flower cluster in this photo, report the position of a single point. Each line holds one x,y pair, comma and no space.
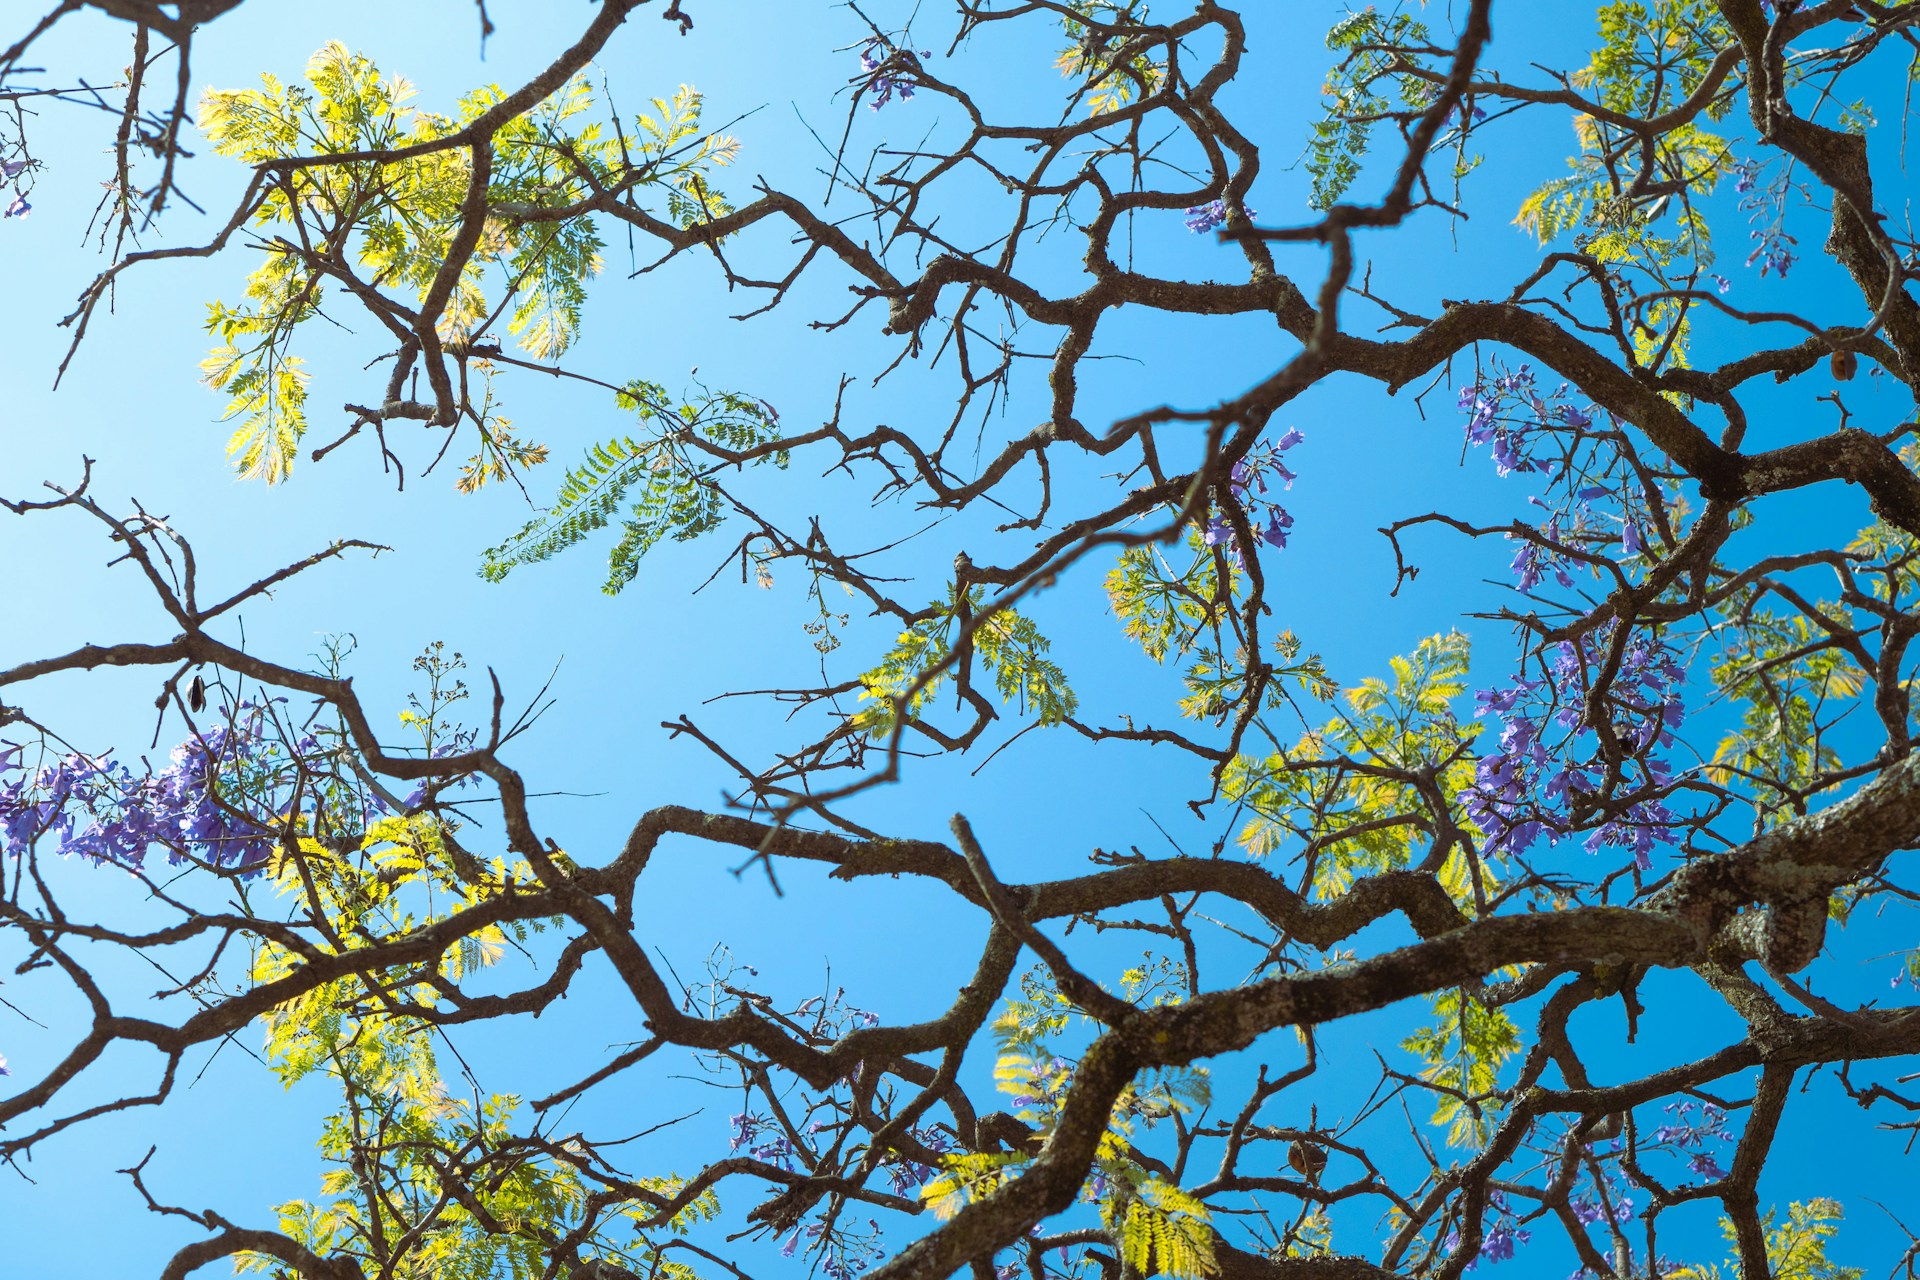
762,1139
98,808
1506,412
910,1175
1768,208
222,799
879,61
1500,1242
1692,1128
1534,561
1202,218
1579,522
847,1254
1525,790
1501,1239
1603,1197
18,206
1589,1209
1509,412
1248,483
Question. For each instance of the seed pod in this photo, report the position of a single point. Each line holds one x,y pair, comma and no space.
197,695
1843,364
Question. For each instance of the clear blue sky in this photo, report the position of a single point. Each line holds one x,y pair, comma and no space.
234,1141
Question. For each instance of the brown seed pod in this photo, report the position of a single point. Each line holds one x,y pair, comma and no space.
197,695
1843,364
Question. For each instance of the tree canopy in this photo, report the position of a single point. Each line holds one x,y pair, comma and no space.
1252,948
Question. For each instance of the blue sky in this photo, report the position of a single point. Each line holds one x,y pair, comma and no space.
132,401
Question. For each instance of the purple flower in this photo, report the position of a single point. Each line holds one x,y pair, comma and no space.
1203,218
1275,534
1247,481
1772,254
1521,791
18,209
1534,561
1706,1166
885,85
1500,1242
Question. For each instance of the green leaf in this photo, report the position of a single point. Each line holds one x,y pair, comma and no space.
1007,646
664,476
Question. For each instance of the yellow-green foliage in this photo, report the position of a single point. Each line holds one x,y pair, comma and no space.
1159,1227
1462,1053
1006,646
1162,1230
400,881
968,1176
1164,611
1361,822
1651,57
399,1126
1796,1249
660,475
392,221
1180,612
1114,76
1784,681
1354,101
